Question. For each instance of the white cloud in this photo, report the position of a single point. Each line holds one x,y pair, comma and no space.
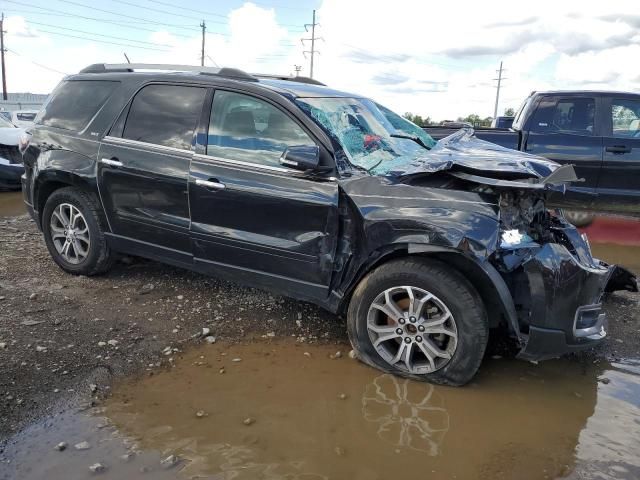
429,42
434,59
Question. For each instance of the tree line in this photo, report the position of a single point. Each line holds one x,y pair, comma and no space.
473,119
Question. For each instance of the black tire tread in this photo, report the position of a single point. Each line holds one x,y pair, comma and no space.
106,257
448,278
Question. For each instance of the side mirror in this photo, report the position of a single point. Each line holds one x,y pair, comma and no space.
301,157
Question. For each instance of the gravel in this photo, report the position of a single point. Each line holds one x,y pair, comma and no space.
79,332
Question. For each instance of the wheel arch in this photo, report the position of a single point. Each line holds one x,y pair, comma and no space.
481,274
50,181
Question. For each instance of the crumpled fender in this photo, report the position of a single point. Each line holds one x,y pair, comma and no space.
394,213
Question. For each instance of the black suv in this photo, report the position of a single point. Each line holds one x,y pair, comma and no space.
324,196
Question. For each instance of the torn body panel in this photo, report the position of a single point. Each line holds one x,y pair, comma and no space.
547,284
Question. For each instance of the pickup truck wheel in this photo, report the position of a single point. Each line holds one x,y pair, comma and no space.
74,232
419,319
579,218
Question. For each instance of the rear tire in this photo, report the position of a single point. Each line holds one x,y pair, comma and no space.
73,228
445,328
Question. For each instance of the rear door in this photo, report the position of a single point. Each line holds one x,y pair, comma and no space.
566,130
144,166
619,185
251,218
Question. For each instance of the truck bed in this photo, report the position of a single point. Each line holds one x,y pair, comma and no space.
501,136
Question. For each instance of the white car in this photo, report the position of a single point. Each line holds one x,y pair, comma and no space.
23,118
11,167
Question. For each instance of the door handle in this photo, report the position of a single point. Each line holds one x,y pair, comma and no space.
112,162
211,183
618,149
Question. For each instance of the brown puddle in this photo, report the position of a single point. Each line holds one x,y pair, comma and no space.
317,418
11,204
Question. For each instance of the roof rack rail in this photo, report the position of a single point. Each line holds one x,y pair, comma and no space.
310,81
131,67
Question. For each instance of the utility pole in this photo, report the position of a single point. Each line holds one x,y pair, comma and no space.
204,28
499,79
297,68
2,50
313,39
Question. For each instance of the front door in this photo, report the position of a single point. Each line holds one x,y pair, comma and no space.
252,219
565,130
144,167
619,186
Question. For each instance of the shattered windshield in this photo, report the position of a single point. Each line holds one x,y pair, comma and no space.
372,136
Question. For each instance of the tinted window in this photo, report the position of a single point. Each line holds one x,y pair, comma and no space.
165,115
571,115
250,130
73,104
625,118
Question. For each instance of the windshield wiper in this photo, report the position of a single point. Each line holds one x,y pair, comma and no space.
416,139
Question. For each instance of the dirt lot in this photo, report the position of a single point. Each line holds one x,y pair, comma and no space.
64,338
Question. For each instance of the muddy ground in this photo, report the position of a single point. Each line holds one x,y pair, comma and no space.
63,338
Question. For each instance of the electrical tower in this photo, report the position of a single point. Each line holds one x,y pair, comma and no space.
313,39
499,79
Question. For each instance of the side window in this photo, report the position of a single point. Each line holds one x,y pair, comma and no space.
74,103
574,116
165,115
246,129
625,118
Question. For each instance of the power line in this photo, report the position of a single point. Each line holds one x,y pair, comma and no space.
36,63
162,11
104,41
150,22
99,34
100,20
192,9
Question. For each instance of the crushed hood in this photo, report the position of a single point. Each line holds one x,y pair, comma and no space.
480,161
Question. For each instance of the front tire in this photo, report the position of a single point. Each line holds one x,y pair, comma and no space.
579,218
73,230
420,319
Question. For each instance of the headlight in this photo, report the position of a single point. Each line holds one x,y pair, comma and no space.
23,142
514,238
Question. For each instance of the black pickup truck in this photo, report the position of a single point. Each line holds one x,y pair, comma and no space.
597,132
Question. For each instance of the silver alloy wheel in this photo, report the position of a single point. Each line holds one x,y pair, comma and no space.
412,329
70,233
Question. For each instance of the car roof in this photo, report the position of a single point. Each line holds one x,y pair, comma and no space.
301,87
582,92
304,90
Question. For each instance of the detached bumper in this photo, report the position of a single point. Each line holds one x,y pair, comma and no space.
565,293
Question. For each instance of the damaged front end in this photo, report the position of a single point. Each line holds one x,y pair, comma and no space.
556,284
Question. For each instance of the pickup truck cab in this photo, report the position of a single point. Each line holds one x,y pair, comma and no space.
595,131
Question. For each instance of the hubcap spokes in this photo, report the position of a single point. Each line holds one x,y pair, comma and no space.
70,233
412,329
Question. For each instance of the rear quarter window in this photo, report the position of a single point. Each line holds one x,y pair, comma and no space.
74,103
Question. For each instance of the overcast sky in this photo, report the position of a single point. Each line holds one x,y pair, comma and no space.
430,58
